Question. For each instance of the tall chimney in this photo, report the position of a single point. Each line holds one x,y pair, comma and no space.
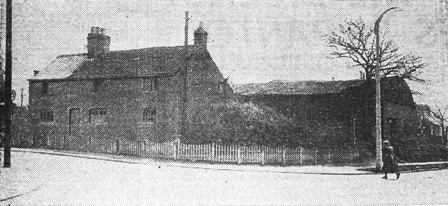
200,36
97,42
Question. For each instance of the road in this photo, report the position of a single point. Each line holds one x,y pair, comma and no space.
62,180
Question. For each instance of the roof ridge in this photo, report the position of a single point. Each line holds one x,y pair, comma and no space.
319,81
127,50
69,55
145,48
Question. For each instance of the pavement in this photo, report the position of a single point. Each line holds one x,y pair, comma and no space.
315,169
19,179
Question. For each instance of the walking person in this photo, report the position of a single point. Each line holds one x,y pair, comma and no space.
390,164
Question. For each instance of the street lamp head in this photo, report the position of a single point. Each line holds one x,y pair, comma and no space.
377,22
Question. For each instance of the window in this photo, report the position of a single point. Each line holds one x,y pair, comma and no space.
149,84
97,84
46,116
326,113
435,130
44,88
221,87
97,115
392,122
149,115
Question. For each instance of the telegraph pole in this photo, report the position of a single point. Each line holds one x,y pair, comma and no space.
184,98
8,81
21,99
379,143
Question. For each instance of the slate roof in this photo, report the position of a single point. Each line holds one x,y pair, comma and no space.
298,87
152,61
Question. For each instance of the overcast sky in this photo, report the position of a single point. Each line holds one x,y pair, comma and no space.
250,41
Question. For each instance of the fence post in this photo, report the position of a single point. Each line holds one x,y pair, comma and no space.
238,152
283,156
212,153
88,145
118,146
329,155
315,157
174,143
144,148
300,156
263,161
177,149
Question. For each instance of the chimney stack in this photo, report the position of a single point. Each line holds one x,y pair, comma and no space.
200,36
36,72
97,42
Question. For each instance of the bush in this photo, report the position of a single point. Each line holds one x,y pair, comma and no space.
242,123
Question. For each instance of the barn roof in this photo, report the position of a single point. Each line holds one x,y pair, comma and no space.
298,87
152,61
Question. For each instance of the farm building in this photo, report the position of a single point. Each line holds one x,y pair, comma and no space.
339,113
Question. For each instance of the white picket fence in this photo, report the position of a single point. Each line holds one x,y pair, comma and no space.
263,155
209,152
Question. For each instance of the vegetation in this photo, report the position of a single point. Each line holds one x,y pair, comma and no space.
355,40
243,123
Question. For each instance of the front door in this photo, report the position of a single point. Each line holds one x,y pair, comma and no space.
74,120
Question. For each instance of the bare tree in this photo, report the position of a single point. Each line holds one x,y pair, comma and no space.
356,41
441,115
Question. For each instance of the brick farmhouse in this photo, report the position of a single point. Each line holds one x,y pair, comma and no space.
139,94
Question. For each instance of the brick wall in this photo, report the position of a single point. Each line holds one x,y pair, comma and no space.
123,99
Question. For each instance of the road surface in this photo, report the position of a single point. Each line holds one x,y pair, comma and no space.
62,180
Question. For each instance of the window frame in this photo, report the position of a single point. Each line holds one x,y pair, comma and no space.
96,114
97,84
392,124
45,87
149,115
221,87
149,84
46,116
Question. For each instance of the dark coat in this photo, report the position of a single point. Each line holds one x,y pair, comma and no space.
390,164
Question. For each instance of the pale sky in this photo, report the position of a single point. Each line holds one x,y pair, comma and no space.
250,41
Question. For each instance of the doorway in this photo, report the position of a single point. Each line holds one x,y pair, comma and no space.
74,121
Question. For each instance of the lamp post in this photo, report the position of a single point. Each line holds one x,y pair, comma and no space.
376,30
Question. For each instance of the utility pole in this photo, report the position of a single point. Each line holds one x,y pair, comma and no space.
186,28
379,143
8,81
184,97
21,99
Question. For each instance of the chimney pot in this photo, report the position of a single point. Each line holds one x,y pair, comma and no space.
36,72
200,36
